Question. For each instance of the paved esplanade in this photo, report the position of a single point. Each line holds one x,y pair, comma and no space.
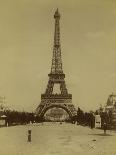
55,139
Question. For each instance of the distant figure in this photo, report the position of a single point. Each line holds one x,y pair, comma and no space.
105,127
92,121
7,124
29,135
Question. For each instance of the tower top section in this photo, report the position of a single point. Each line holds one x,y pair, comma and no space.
56,67
57,15
57,29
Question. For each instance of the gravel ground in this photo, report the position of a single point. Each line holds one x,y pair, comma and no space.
56,139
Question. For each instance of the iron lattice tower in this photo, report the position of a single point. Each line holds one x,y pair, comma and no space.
56,76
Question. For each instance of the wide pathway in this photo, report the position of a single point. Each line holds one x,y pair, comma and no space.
56,139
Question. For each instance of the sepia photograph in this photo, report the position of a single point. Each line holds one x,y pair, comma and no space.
58,77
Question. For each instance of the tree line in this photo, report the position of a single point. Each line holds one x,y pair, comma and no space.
14,117
84,118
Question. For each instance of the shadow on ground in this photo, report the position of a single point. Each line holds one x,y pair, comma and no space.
101,134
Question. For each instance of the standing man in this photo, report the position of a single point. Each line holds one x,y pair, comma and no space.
92,120
104,127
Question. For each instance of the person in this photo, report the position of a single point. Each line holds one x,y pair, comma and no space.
92,120
104,127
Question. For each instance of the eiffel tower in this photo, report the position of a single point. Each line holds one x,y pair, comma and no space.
50,99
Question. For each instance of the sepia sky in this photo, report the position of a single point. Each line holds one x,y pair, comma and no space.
88,40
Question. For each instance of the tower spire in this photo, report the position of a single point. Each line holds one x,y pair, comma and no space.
56,60
57,28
